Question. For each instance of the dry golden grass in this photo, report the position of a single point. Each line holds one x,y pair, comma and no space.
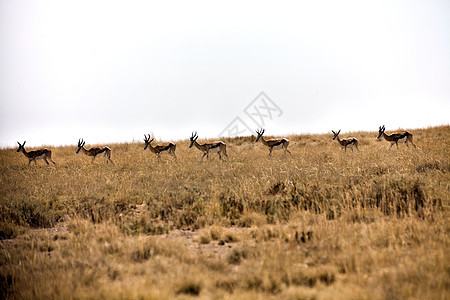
319,224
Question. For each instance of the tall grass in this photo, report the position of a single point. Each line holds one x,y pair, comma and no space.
319,223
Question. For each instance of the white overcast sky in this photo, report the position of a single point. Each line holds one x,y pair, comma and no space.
110,71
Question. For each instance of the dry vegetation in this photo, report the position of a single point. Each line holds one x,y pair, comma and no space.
320,224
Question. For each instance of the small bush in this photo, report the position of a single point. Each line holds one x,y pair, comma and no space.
145,250
7,231
230,237
204,238
189,287
231,207
401,197
216,233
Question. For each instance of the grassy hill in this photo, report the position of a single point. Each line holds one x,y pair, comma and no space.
317,224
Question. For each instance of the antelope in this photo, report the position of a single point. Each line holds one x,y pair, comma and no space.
214,147
274,144
396,137
348,142
169,148
36,154
94,152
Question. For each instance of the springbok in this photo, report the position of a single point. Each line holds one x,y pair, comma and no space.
169,148
348,142
94,152
36,154
214,147
396,137
275,144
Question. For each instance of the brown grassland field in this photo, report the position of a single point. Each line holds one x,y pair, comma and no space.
317,224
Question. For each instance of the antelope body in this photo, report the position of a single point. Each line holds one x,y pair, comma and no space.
348,142
36,154
274,144
214,147
395,138
166,148
95,151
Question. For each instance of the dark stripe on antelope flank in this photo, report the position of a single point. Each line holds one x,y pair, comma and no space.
215,145
97,151
38,152
405,134
278,143
397,136
163,148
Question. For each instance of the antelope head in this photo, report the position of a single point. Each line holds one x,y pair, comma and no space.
193,138
80,145
335,134
147,140
381,131
21,147
260,134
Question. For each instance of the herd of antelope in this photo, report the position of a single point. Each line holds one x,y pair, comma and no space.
218,147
